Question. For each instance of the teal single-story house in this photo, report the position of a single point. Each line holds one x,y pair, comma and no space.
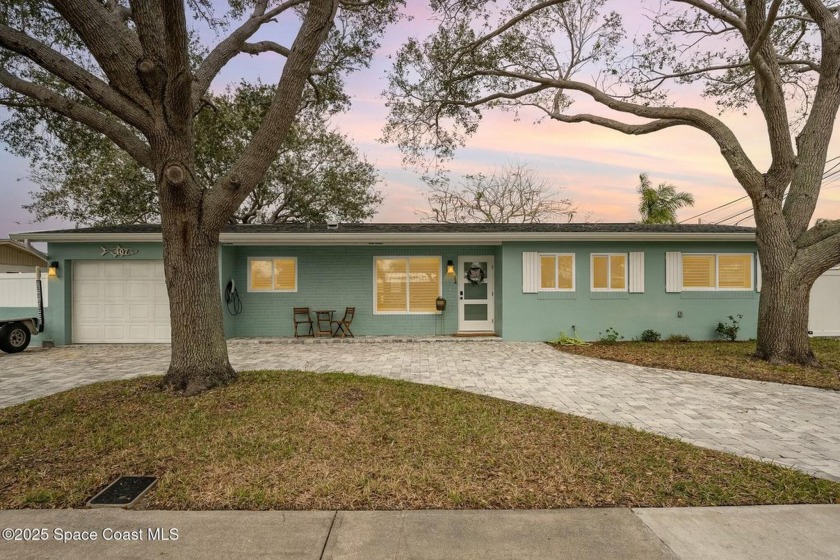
525,282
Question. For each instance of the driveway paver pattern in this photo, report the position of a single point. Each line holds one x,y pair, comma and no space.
787,424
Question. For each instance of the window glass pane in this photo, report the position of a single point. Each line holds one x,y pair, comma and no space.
424,286
547,272
618,264
734,271
284,274
260,274
475,311
391,285
565,266
698,271
475,291
600,263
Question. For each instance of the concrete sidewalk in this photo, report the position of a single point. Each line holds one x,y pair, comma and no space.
764,532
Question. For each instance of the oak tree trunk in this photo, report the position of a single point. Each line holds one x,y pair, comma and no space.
783,319
199,358
199,350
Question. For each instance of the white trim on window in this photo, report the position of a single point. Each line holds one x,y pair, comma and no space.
555,288
271,260
609,272
408,287
716,288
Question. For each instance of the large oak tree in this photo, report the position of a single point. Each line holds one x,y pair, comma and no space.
781,57
125,70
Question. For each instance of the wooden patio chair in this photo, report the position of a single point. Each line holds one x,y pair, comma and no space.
344,324
301,316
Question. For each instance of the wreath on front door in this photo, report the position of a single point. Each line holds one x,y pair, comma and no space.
476,275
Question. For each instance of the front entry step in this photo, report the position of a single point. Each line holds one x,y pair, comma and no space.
473,334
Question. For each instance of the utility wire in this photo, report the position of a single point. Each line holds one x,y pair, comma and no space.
713,209
733,216
830,175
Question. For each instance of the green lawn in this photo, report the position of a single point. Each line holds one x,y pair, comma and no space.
292,440
729,359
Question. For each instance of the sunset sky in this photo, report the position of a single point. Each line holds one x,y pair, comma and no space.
596,168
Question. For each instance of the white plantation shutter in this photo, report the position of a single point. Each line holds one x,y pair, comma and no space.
673,272
757,274
391,285
424,284
530,272
637,272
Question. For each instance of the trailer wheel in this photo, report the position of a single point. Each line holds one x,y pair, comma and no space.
14,337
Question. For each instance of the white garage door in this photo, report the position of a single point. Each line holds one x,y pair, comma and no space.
119,302
824,312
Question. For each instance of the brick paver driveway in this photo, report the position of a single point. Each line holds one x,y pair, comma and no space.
795,426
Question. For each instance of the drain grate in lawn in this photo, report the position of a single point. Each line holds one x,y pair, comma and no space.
123,492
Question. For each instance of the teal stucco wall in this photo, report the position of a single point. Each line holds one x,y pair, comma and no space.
339,277
542,316
227,263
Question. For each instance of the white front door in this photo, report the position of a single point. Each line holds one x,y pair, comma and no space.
475,294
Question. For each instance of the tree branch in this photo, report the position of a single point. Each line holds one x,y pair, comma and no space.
230,191
179,74
524,14
729,17
232,45
822,230
122,12
813,141
822,14
265,46
740,164
626,128
118,134
769,93
819,247
761,38
114,46
65,69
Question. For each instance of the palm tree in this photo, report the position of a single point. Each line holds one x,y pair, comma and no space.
660,205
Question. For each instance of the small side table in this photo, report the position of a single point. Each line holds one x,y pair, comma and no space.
323,322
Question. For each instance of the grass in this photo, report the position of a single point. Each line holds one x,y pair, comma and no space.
292,440
728,359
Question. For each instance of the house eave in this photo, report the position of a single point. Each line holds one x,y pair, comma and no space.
411,238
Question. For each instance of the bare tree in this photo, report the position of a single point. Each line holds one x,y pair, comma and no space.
782,56
512,194
125,70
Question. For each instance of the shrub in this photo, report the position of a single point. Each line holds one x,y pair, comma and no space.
678,338
729,330
651,335
610,336
573,340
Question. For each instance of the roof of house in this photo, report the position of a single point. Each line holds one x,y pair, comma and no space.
30,255
425,232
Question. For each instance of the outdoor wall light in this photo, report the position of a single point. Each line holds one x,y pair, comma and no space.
450,269
53,273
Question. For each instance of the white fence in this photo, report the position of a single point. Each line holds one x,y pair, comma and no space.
18,290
